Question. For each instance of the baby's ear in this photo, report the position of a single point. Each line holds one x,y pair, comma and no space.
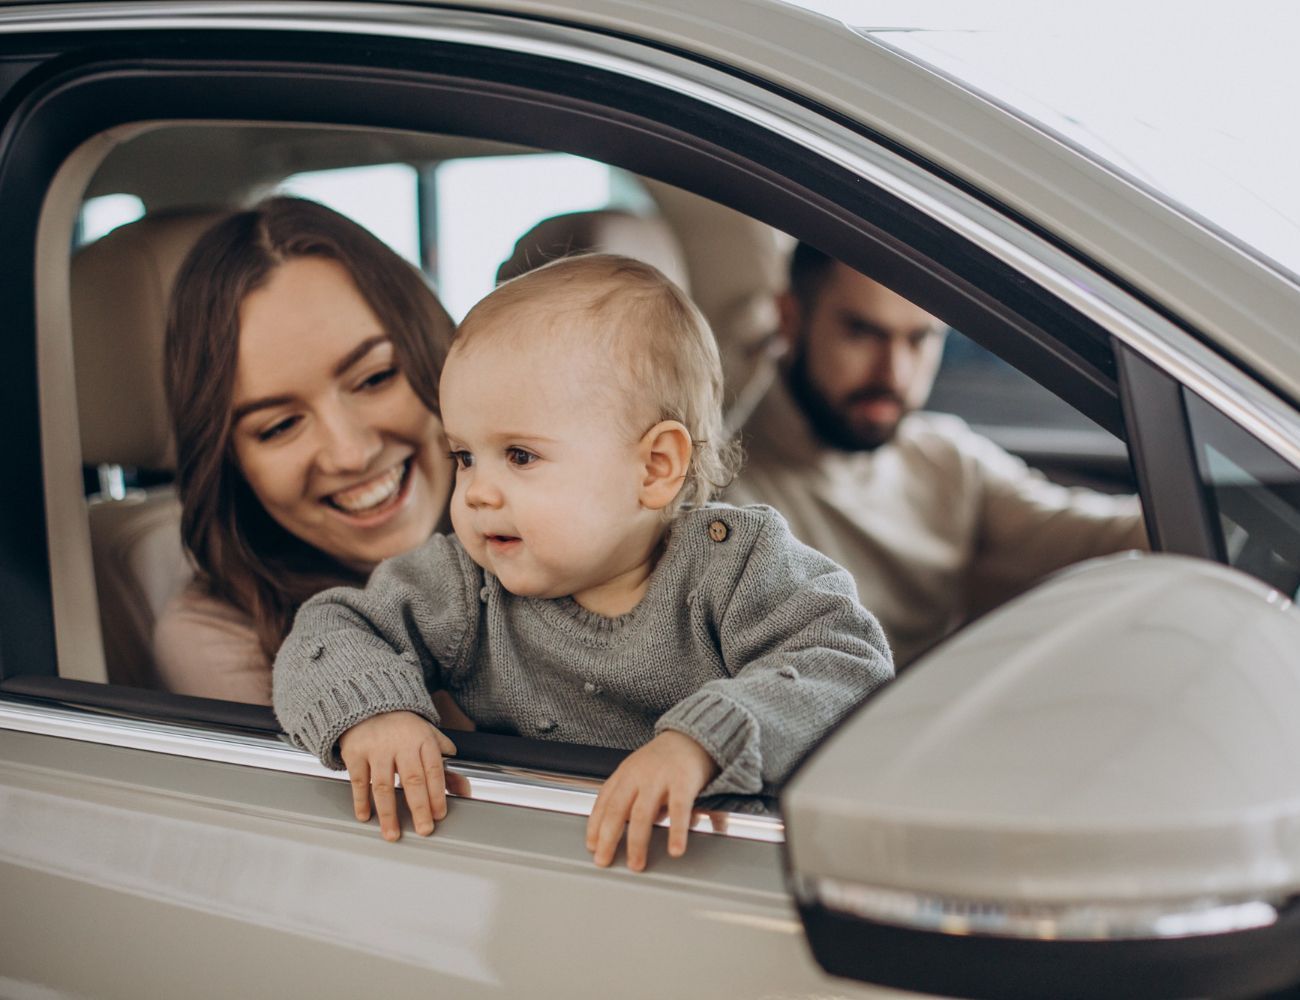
665,452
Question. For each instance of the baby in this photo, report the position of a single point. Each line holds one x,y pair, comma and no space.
590,593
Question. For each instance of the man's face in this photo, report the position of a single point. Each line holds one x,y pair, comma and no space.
861,357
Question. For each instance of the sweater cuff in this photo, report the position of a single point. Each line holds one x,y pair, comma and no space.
350,697
729,734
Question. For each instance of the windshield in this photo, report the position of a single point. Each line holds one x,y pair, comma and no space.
1192,100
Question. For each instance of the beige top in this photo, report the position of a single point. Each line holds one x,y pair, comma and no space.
937,525
206,647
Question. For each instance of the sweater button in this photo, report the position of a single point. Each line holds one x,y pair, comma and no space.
546,725
719,531
589,687
483,594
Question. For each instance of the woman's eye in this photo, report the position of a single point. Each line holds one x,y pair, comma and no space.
520,456
276,429
463,459
378,378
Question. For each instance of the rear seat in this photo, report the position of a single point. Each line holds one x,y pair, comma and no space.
738,299
119,287
643,237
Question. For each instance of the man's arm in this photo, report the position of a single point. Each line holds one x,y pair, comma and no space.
1030,526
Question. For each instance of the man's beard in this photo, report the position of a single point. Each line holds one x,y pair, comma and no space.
829,423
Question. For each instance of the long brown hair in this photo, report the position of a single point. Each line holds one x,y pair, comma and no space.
243,555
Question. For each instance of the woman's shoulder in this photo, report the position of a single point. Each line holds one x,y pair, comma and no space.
195,605
206,646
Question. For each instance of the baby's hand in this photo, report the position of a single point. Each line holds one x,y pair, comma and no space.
670,769
400,743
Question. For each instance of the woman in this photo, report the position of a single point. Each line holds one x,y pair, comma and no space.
302,359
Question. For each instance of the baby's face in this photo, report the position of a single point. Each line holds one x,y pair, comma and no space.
547,476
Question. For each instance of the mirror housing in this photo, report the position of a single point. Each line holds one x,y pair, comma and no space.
1094,791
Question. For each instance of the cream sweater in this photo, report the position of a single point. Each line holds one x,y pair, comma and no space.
937,525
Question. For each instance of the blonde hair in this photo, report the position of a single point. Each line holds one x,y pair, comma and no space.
664,353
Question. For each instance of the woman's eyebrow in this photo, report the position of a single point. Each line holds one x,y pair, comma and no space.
244,409
346,362
359,352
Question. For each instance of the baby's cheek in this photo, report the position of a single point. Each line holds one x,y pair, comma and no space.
460,524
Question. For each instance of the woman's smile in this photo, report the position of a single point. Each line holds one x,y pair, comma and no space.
377,494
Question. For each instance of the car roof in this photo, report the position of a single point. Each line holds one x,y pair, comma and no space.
1248,310
1240,304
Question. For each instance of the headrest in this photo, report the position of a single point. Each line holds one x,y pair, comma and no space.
120,286
646,238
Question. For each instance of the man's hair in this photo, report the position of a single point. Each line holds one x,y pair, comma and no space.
664,357
809,269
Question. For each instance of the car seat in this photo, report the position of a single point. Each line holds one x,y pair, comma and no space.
120,286
732,276
644,237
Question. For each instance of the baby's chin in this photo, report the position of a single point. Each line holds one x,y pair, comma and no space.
522,586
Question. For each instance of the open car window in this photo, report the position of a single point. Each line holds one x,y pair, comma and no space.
455,208
733,219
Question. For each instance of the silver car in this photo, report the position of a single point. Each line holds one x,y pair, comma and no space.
1090,791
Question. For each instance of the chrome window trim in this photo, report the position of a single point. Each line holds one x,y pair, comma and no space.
1239,397
497,783
1077,921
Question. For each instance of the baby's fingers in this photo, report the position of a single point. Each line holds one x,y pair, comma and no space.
435,778
420,783
445,746
609,829
382,787
598,814
359,778
645,812
679,821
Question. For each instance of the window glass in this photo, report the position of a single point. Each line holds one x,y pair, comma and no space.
456,207
100,216
485,203
988,392
1255,494
384,198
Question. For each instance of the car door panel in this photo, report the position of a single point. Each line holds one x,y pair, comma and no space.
136,856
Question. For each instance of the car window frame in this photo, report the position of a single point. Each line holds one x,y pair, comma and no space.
353,82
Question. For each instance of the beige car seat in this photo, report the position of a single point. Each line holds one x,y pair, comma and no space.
120,285
732,275
643,237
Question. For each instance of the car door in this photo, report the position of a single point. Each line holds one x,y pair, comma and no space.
182,847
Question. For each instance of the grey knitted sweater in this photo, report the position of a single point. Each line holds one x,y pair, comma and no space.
747,641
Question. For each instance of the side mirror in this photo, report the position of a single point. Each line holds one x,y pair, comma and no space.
1092,792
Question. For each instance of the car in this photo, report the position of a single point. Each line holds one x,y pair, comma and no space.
1087,791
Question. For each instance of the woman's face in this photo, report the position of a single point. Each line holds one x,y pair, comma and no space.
327,431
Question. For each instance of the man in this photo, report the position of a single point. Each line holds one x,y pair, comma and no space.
931,519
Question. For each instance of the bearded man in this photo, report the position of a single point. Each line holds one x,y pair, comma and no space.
931,518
